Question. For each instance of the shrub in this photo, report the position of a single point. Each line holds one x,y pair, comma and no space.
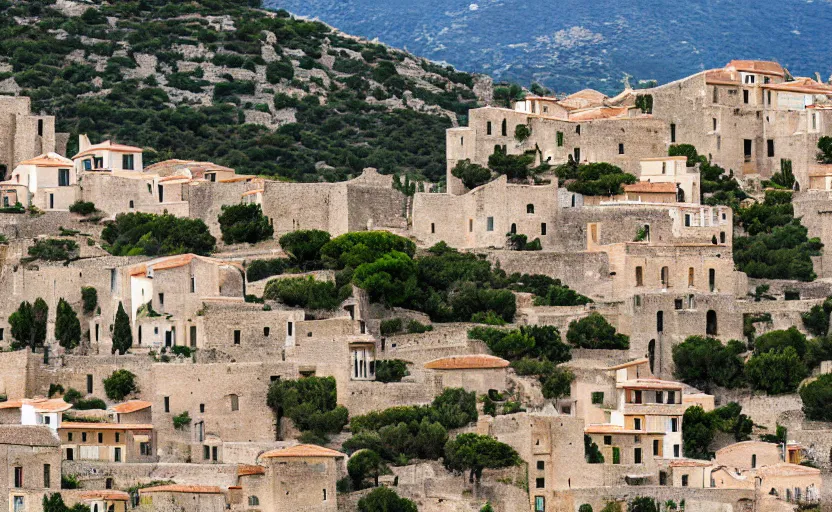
182,350
816,397
586,507
474,452
391,279
304,247
701,362
244,223
86,404
642,504
391,370
89,298
278,70
181,420
120,384
528,341
595,179
261,269
353,249
592,454
487,318
82,207
557,384
364,464
53,249
28,324
391,326
777,371
70,482
67,326
304,292
282,100
472,175
594,331
72,395
453,408
134,234
699,428
55,389
384,499
311,403
778,340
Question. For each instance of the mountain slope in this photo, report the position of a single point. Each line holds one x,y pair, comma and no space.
223,80
572,44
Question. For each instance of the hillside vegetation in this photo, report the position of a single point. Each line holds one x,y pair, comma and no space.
226,81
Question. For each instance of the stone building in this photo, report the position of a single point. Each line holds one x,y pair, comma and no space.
108,442
182,498
107,156
31,458
47,181
34,411
480,373
23,135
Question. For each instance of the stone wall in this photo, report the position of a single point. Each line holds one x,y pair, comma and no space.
92,475
586,273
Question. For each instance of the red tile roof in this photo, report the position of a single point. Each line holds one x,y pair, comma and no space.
250,469
467,362
302,450
108,145
763,67
650,384
83,425
801,85
646,187
131,406
108,495
48,160
40,404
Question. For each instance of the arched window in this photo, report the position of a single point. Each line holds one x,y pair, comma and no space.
514,229
529,208
253,501
665,277
753,460
710,323
651,354
680,194
504,128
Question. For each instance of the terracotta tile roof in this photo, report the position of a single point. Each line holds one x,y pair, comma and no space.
179,260
28,435
763,67
598,113
250,469
40,404
252,192
787,469
131,406
801,85
83,425
646,187
301,450
106,494
650,384
191,489
722,77
236,179
634,362
48,160
175,177
192,165
467,362
108,145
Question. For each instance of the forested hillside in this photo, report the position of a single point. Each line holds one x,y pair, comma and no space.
224,80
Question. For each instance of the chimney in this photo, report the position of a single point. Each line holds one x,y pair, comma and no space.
83,142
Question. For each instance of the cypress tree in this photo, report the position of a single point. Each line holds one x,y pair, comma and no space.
67,326
122,334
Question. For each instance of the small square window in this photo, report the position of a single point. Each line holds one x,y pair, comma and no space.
202,408
539,483
608,440
541,465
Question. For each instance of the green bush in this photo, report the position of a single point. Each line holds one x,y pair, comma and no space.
304,292
304,247
453,408
472,175
120,384
364,464
89,298
279,70
536,341
391,326
82,207
474,452
391,279
391,370
594,331
703,362
384,499
261,269
122,333
28,324
85,404
181,420
777,371
72,395
134,234
310,402
67,326
353,249
592,454
700,427
244,223
594,179
53,249
816,397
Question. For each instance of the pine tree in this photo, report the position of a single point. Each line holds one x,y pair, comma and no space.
122,334
28,324
67,326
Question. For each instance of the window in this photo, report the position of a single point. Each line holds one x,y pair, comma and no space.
98,162
324,494
607,440
676,450
89,384
578,129
18,477
657,452
237,336
639,276
266,332
118,437
672,133
488,128
722,237
684,480
161,299
665,277
539,504
253,501
40,127
529,208
541,465
715,95
470,225
745,96
674,424
504,128
214,453
714,121
117,454
235,403
462,141
63,177
750,79
637,455
576,154
542,232
770,147
747,146
69,436
560,139
637,421
167,404
616,455
690,276
620,148
659,321
127,162
597,397
202,408
671,397
145,449
539,483
664,167
489,224
206,452
659,397
87,164
289,328
513,229
678,303
753,460
19,504
432,227
100,437
83,437
710,323
687,220
636,439
193,284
